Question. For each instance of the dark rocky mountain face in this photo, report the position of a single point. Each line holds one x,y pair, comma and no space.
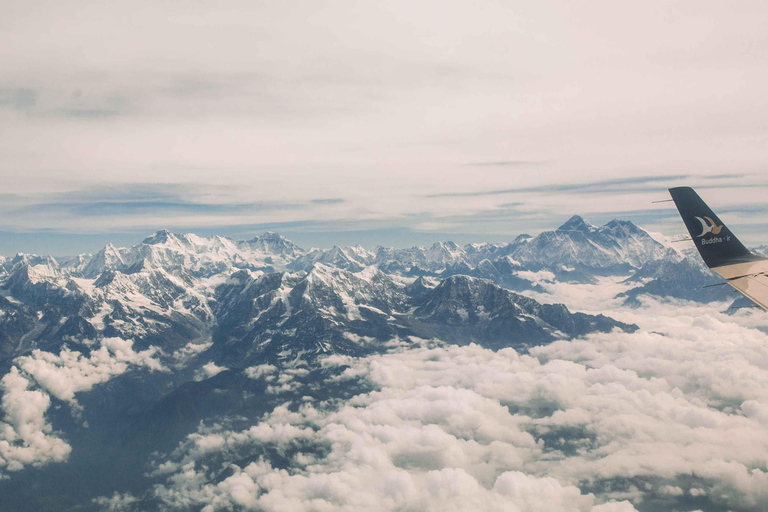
172,331
464,309
285,316
282,316
681,278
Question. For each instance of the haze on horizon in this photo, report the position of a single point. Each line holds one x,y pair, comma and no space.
394,123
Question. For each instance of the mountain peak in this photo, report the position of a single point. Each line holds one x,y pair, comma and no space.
577,223
522,238
275,243
615,223
159,237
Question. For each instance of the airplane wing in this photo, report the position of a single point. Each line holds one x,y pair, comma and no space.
720,249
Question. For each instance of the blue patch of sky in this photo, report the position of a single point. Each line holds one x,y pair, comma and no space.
610,186
63,244
19,99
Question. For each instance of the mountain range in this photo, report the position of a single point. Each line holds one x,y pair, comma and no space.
156,337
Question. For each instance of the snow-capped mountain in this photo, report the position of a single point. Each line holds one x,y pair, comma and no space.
268,299
435,259
677,276
348,258
174,288
576,250
616,247
272,244
197,255
762,250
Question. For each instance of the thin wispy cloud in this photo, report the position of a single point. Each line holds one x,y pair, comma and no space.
506,163
333,200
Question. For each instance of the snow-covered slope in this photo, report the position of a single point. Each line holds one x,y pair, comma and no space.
353,258
197,255
615,247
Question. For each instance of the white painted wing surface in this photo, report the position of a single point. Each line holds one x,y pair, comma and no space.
751,279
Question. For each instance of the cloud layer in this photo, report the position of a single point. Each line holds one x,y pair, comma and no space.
428,117
26,437
673,415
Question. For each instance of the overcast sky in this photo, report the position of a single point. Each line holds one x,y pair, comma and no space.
375,122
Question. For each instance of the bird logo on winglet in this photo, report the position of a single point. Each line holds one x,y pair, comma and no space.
709,226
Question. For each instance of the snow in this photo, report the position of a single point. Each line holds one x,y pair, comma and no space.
84,284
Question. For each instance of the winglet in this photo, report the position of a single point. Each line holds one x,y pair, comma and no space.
715,242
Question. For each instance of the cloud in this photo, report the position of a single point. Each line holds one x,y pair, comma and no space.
26,438
71,372
265,371
283,380
183,356
116,502
506,163
89,113
112,209
208,370
378,106
140,202
334,200
537,278
672,413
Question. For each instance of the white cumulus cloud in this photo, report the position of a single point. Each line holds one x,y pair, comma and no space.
208,370
70,371
26,438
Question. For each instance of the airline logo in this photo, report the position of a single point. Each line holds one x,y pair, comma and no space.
708,226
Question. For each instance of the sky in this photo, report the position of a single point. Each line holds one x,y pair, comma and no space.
394,122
